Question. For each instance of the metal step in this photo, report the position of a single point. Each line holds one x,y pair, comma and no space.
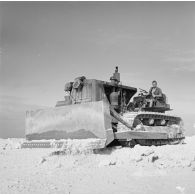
41,144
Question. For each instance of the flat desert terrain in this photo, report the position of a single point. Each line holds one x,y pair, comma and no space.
162,169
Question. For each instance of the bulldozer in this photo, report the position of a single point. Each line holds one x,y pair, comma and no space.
88,112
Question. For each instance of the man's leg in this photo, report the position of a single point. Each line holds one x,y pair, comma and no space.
151,103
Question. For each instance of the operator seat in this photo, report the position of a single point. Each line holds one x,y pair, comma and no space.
162,99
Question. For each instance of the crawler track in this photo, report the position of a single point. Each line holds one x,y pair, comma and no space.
134,118
156,142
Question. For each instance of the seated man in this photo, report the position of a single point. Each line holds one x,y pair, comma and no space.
154,93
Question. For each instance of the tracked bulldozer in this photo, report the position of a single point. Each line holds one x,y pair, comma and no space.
105,113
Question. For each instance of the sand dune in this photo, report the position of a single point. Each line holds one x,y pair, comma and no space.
164,169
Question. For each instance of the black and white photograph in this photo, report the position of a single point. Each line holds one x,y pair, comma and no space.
97,97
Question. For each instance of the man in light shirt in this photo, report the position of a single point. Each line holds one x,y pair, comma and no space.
155,93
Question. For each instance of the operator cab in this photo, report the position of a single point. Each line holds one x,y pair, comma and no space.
159,105
84,90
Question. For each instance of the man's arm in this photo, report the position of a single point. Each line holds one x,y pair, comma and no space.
150,91
159,93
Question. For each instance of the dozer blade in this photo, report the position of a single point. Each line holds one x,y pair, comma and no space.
90,120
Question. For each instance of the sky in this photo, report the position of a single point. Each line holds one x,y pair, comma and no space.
43,45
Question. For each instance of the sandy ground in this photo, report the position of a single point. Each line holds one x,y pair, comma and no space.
163,169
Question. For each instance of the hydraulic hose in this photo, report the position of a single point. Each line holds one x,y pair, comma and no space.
118,117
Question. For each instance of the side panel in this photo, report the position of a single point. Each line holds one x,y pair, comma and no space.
128,135
84,94
78,121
